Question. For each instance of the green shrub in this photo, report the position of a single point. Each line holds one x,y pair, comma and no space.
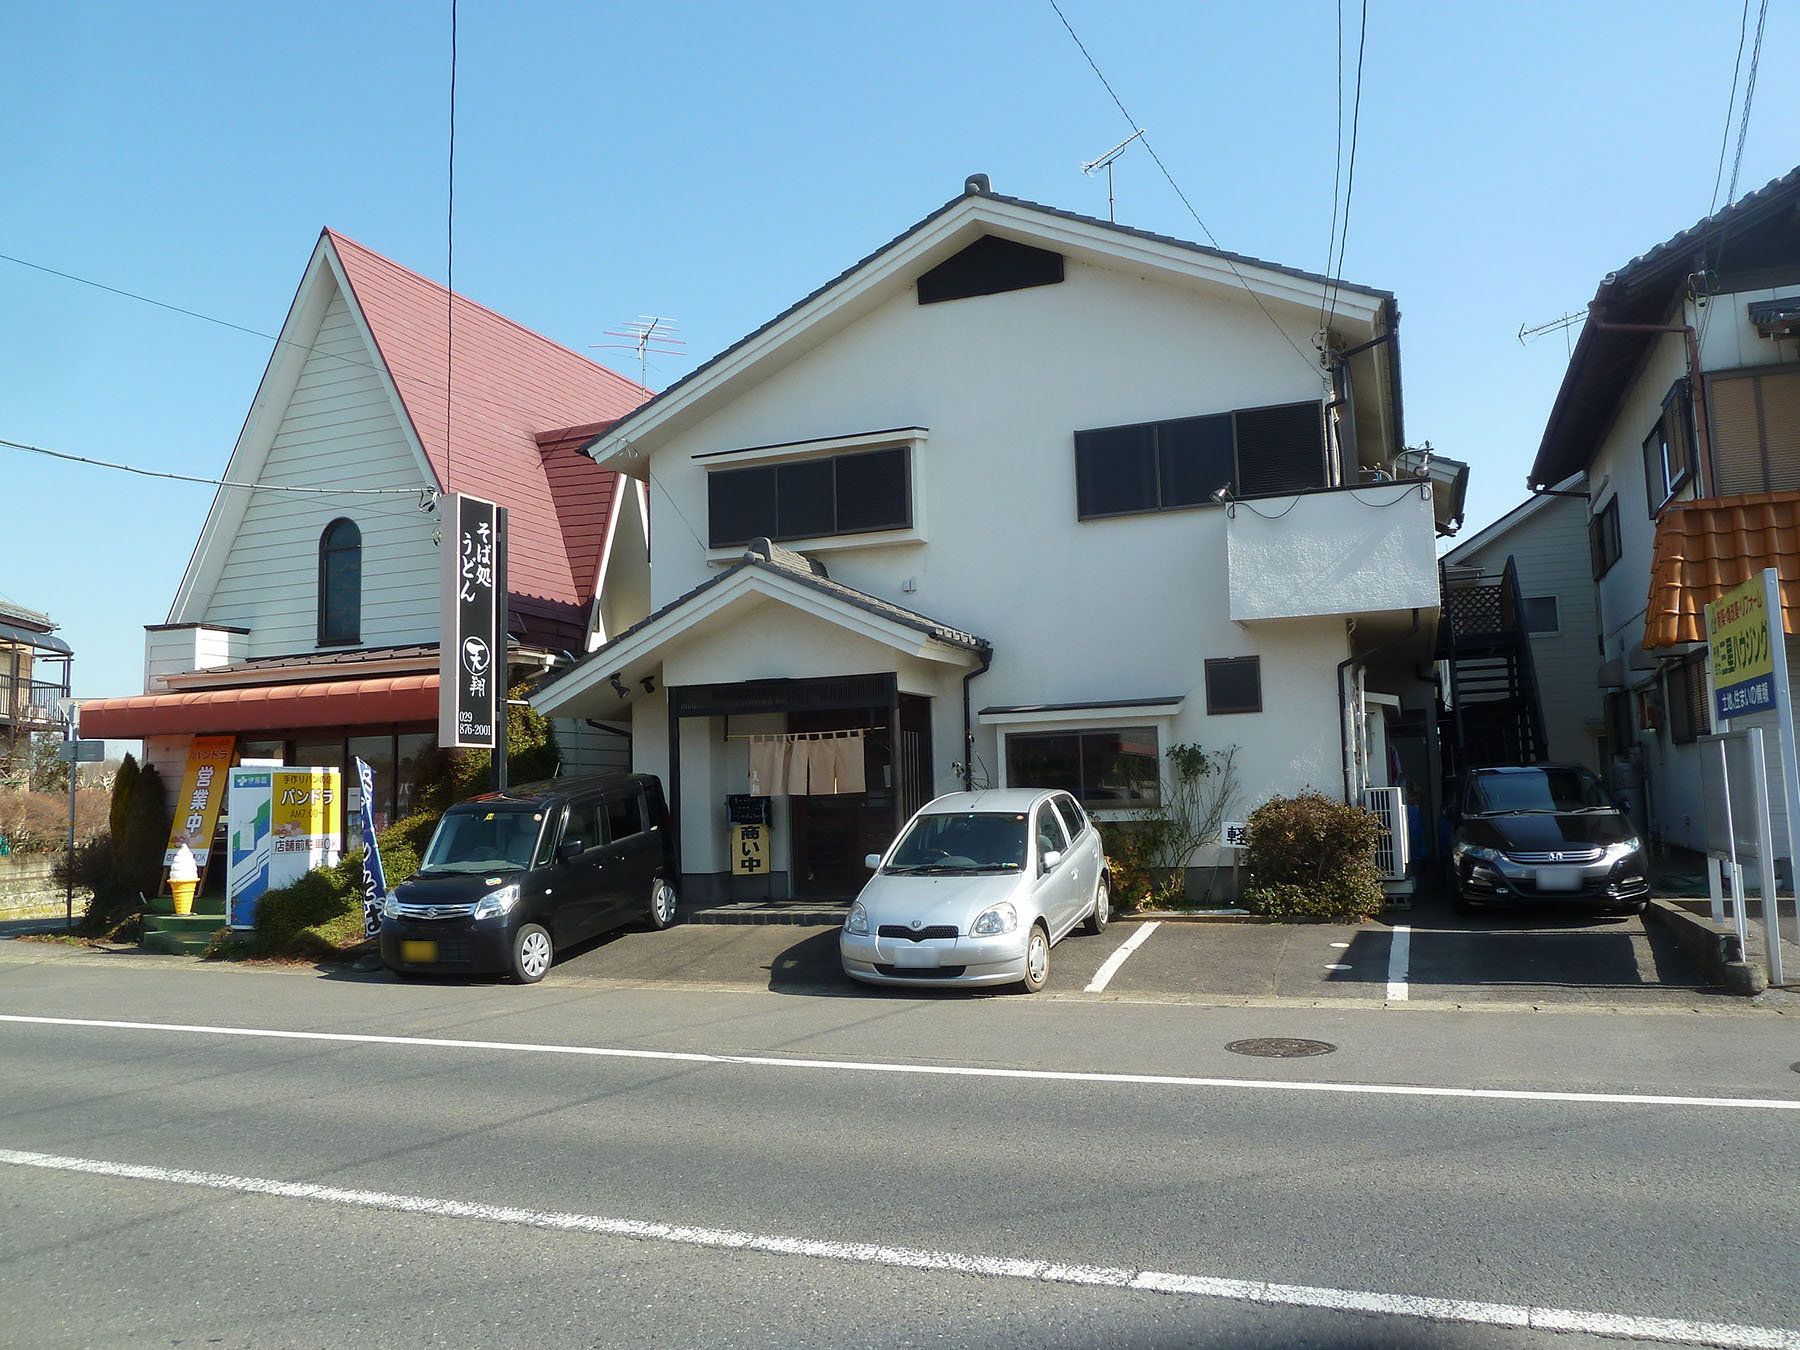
1133,850
123,784
1311,857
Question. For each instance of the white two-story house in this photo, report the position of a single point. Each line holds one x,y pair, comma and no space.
1021,498
306,624
1682,405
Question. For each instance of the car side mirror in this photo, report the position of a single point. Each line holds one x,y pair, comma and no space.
872,862
1051,858
568,851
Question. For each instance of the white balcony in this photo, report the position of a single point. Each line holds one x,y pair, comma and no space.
1361,550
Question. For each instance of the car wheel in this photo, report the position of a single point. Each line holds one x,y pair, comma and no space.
1037,960
662,904
1097,921
532,953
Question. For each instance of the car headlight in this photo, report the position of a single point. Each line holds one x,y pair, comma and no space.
390,907
1622,850
1475,851
857,922
495,903
1000,918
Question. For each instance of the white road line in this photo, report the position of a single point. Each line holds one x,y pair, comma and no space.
1110,966
1399,956
1626,1325
931,1070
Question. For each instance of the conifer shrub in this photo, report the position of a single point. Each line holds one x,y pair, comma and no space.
1314,858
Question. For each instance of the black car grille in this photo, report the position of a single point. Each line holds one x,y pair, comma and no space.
1569,855
936,930
921,973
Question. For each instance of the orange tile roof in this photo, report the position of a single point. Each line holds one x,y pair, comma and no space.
1705,548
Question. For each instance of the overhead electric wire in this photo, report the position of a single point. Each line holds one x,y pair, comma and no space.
1337,163
1312,363
1730,107
450,257
1718,251
423,491
1350,178
190,313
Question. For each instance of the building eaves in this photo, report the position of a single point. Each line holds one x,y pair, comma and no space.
1642,291
1236,259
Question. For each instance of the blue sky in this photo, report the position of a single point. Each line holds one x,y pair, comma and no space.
714,162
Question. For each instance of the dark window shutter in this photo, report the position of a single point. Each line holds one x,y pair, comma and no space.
1196,459
740,505
1115,470
1280,449
873,491
805,499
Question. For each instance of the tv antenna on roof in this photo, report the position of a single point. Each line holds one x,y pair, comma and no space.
648,333
1566,324
1092,166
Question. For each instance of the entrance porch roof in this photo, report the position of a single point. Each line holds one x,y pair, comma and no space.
592,686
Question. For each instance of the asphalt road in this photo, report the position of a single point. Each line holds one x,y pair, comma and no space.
816,1162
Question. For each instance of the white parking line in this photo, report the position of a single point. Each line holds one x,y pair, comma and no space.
992,1267
1110,966
934,1070
1399,955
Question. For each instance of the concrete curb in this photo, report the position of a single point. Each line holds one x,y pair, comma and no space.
1713,945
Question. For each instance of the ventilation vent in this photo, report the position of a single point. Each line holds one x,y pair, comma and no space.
989,266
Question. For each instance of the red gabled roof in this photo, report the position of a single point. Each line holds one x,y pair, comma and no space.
509,384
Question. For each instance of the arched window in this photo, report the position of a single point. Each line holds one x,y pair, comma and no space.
340,584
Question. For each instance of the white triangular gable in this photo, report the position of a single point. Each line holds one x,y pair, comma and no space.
327,415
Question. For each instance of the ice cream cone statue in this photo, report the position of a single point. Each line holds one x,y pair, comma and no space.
183,877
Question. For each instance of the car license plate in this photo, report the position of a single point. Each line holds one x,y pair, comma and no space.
1559,878
909,957
418,953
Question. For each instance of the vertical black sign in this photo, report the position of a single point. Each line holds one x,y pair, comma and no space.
472,651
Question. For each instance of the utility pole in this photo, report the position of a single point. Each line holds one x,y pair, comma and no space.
70,710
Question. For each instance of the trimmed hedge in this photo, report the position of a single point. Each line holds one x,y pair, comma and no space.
1311,857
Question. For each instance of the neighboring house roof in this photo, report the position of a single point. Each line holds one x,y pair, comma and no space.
1705,548
1759,227
509,385
987,208
1514,518
19,616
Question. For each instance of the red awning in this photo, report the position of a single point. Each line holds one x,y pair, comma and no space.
264,707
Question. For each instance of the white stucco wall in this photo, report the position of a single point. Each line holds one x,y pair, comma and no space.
1366,550
1108,609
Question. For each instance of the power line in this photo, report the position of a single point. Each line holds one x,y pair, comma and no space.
190,313
1737,164
1730,107
450,258
1312,363
1337,164
425,494
1350,178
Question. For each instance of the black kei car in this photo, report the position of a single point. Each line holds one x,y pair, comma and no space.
511,878
1543,833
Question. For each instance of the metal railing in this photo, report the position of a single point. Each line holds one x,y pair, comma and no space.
30,701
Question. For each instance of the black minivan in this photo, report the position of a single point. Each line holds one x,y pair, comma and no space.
511,878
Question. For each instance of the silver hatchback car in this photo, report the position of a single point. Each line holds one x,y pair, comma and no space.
976,890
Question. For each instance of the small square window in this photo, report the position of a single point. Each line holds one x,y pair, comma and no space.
1539,613
1234,685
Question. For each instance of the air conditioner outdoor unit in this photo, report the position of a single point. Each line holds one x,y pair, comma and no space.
1392,850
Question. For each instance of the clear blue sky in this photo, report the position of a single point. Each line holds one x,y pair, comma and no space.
715,162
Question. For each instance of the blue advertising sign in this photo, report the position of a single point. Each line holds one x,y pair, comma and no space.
374,880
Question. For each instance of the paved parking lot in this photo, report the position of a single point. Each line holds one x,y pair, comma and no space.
1427,955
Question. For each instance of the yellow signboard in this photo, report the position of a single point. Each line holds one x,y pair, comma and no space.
195,812
749,850
1743,658
306,814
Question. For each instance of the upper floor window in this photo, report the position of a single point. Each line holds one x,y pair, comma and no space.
1755,432
1540,614
1603,537
810,498
1669,449
1234,685
340,584
1161,466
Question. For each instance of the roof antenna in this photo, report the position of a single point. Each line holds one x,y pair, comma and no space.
647,333
1092,166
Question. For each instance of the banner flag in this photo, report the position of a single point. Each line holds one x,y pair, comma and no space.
374,880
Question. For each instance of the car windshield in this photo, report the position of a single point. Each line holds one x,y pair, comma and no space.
499,840
1537,791
974,841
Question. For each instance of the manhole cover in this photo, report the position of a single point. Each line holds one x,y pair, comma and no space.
1280,1047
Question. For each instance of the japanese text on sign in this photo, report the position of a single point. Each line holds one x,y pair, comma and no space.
749,850
1743,660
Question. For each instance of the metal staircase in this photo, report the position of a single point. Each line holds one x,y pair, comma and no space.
1490,712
